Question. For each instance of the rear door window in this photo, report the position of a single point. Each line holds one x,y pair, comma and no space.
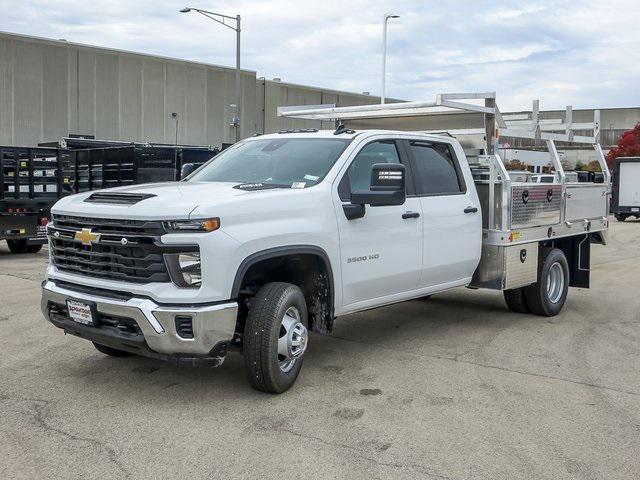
436,168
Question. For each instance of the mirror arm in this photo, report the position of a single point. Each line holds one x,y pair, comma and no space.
378,199
353,211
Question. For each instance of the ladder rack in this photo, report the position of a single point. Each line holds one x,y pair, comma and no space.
463,115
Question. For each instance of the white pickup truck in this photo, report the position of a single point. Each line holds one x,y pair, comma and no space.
280,234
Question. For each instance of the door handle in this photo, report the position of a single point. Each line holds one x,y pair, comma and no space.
410,215
470,210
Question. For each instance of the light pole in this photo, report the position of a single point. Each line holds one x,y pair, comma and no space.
387,16
222,19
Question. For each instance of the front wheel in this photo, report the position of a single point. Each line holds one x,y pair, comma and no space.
275,337
546,297
621,217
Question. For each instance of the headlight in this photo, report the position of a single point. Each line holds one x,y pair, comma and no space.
200,225
184,269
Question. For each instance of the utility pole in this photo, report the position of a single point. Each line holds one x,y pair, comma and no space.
222,19
387,16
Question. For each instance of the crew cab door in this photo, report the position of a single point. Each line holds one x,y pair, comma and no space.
452,221
381,252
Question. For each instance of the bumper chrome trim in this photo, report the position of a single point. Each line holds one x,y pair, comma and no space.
212,324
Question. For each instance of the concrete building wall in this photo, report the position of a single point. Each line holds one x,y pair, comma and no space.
49,89
273,94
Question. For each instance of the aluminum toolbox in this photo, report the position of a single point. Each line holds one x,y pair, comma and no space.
535,205
506,267
586,201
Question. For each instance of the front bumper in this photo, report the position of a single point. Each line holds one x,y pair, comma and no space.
17,227
154,332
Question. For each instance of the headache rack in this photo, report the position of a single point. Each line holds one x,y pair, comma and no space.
516,215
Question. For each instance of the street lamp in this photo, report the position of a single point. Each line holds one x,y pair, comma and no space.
387,16
222,19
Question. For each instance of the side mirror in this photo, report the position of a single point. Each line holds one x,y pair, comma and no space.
187,169
387,186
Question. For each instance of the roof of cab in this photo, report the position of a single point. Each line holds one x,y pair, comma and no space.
349,134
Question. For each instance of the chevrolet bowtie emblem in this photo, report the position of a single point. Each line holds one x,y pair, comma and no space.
86,236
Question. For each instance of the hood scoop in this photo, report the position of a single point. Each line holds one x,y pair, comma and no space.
117,198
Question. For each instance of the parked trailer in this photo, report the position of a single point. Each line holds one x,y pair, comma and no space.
625,201
33,179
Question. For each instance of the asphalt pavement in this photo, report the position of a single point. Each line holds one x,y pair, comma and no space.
454,387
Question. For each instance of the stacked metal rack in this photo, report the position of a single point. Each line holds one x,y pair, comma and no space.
32,179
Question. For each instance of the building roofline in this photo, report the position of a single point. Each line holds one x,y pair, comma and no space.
560,110
65,43
325,90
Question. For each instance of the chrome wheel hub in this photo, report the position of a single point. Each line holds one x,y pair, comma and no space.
555,283
293,339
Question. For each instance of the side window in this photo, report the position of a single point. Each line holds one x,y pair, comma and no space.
436,172
358,176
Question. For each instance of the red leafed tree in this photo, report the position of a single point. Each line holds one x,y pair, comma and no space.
628,146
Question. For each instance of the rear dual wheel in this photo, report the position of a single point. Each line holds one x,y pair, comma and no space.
515,300
547,296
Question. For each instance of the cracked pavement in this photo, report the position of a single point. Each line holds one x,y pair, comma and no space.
455,387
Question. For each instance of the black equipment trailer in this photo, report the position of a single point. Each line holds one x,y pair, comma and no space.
32,179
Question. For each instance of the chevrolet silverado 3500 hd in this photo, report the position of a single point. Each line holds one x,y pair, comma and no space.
279,234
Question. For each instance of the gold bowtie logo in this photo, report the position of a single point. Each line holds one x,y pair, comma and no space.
87,237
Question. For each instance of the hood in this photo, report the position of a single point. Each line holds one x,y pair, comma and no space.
169,200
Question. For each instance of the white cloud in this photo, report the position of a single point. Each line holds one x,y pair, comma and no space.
585,53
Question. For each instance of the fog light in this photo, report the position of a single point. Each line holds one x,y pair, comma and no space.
184,269
184,326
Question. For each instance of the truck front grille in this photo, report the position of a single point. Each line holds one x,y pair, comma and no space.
124,250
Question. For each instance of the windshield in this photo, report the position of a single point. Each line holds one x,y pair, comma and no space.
285,162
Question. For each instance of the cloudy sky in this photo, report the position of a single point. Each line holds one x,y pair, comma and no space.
584,53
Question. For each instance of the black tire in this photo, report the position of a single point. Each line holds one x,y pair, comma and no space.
112,352
20,246
261,333
621,217
537,295
516,300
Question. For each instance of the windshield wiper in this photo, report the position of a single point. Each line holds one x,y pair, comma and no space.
250,187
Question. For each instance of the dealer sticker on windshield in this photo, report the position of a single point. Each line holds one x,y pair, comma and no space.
298,184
